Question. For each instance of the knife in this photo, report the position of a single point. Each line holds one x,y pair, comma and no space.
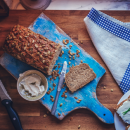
61,80
7,102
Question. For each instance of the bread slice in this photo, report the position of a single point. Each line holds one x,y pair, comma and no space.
123,110
78,76
128,127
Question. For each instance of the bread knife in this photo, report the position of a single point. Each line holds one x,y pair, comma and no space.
61,80
7,102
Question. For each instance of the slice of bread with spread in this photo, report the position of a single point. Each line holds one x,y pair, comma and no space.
128,127
123,110
78,76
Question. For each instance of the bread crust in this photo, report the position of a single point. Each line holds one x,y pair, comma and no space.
83,83
120,104
32,48
127,127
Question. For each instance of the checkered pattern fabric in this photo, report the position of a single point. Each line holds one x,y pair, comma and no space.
108,25
125,83
119,31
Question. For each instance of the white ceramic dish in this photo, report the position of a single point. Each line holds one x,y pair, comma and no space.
43,82
119,124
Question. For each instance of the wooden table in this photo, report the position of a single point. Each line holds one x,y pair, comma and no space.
32,113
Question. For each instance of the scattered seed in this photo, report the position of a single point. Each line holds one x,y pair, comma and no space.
78,101
55,66
51,96
50,88
62,52
66,91
61,104
81,42
79,127
58,66
54,84
71,118
47,112
69,62
45,115
67,41
48,92
81,61
77,51
59,114
52,99
111,90
43,98
65,96
104,87
73,57
75,97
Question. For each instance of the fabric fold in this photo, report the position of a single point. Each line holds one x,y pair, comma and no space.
111,38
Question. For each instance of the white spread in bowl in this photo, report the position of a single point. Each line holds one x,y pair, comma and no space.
32,85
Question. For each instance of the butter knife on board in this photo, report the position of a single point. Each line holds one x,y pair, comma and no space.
61,80
7,102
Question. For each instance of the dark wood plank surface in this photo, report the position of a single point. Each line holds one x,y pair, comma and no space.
32,113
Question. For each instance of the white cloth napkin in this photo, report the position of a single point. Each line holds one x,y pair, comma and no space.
111,38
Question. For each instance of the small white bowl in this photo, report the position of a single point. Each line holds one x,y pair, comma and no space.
43,82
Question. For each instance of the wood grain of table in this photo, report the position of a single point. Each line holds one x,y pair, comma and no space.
32,113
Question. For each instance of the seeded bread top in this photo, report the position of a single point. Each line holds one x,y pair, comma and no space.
34,49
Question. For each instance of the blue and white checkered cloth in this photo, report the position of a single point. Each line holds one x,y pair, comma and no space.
111,38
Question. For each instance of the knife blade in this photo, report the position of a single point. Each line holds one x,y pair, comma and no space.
7,102
61,80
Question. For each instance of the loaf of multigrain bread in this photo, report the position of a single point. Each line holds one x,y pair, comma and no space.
123,110
32,48
78,76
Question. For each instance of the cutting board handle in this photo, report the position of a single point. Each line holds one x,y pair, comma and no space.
104,114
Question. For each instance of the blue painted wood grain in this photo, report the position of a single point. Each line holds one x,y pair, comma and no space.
87,94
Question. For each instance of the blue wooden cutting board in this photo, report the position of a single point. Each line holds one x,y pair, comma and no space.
44,26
